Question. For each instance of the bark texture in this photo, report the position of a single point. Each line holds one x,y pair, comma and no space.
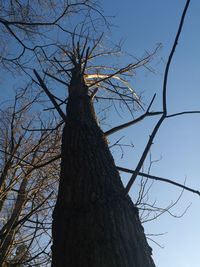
8,232
94,223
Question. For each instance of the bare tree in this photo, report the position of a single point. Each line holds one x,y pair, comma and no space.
27,193
93,216
95,223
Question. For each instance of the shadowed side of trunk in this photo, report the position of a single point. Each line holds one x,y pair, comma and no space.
94,223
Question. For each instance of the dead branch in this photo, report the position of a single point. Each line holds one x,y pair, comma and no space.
161,179
164,102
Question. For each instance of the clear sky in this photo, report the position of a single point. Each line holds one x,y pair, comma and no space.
142,24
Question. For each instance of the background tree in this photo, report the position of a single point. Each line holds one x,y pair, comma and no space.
28,182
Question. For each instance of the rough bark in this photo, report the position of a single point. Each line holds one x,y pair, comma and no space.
94,223
8,232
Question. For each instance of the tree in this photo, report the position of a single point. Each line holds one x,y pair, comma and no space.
98,216
94,221
93,216
26,201
85,202
27,193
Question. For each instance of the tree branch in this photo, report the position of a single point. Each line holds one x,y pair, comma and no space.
183,113
161,179
160,121
51,97
127,124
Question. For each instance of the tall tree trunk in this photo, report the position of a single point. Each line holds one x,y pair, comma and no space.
94,223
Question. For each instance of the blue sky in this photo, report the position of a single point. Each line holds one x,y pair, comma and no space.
142,24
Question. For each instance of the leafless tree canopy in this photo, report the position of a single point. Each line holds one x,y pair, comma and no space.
27,192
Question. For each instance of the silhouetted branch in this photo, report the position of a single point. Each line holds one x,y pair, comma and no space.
161,179
51,97
183,113
164,102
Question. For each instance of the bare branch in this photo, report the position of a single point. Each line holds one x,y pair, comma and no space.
51,97
160,121
125,125
153,177
183,113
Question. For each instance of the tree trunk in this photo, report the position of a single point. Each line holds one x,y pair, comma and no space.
94,223
8,231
